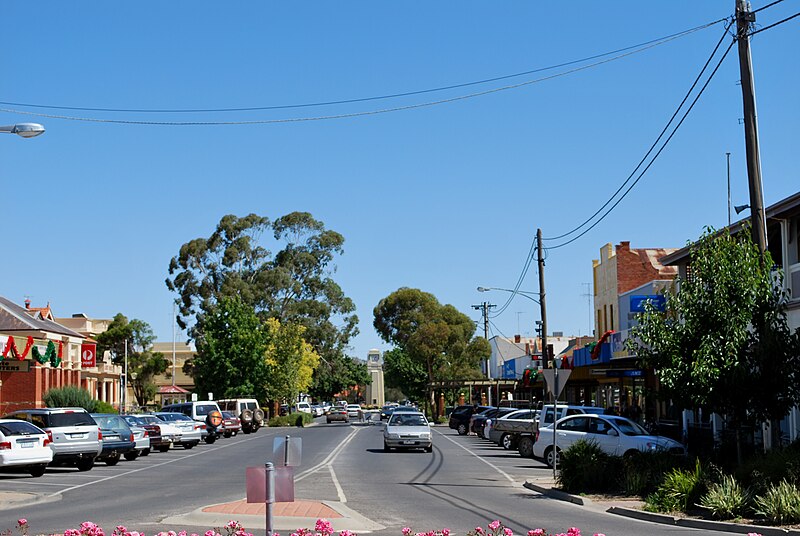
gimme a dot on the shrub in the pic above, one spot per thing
(780, 504)
(726, 499)
(586, 468)
(760, 472)
(103, 407)
(69, 396)
(680, 490)
(644, 471)
(293, 419)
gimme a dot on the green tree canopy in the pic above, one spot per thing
(723, 342)
(143, 363)
(437, 339)
(401, 372)
(293, 285)
(230, 360)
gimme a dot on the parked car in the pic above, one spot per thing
(74, 435)
(24, 447)
(166, 434)
(207, 413)
(480, 420)
(459, 418)
(153, 434)
(117, 438)
(250, 414)
(230, 424)
(502, 429)
(189, 428)
(141, 443)
(615, 435)
(407, 430)
(337, 413)
(386, 411)
(525, 434)
(301, 407)
(354, 411)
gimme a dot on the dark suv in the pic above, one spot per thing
(459, 418)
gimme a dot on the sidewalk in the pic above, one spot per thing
(633, 509)
(285, 516)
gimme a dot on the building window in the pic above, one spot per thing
(612, 316)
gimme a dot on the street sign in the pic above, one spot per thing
(549, 378)
(638, 302)
(256, 483)
(287, 451)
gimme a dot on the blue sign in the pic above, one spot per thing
(637, 302)
(509, 370)
(624, 373)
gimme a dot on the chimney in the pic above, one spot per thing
(27, 303)
(517, 338)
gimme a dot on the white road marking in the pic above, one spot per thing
(331, 457)
(490, 464)
(339, 489)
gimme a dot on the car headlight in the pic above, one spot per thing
(392, 436)
(425, 435)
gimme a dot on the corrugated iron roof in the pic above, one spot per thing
(14, 317)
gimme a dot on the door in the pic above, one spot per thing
(601, 431)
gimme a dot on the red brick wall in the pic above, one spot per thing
(633, 268)
(22, 390)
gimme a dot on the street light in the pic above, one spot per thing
(520, 292)
(26, 130)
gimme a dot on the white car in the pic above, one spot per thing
(24, 446)
(615, 435)
(354, 411)
(407, 430)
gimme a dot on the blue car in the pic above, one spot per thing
(117, 438)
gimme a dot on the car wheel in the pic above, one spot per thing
(188, 446)
(462, 429)
(227, 434)
(37, 470)
(549, 458)
(113, 460)
(386, 448)
(145, 452)
(525, 447)
(210, 438)
(84, 464)
(130, 456)
(429, 449)
(246, 416)
(163, 448)
(328, 421)
(258, 415)
(507, 441)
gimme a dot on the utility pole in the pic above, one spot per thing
(542, 303)
(744, 19)
(728, 156)
(484, 308)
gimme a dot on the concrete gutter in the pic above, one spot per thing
(545, 487)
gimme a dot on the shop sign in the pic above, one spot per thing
(625, 373)
(88, 355)
(15, 366)
(638, 302)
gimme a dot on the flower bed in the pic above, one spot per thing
(322, 528)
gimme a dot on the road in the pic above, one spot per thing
(464, 483)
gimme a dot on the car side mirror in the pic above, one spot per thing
(613, 432)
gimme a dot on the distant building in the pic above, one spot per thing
(175, 385)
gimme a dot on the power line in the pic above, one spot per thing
(652, 161)
(345, 115)
(654, 144)
(787, 19)
(767, 6)
(659, 40)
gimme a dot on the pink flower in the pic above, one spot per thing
(324, 526)
(599, 534)
(210, 533)
(22, 521)
(346, 533)
(406, 531)
(508, 532)
(71, 532)
(573, 531)
(445, 532)
(494, 525)
(478, 530)
(536, 532)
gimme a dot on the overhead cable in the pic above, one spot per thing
(659, 40)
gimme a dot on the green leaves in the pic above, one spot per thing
(723, 342)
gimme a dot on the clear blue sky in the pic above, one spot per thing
(442, 198)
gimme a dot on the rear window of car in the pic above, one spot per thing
(204, 409)
(55, 420)
(111, 421)
(18, 428)
(174, 417)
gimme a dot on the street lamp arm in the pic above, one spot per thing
(520, 292)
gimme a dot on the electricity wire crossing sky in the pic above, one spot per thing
(436, 137)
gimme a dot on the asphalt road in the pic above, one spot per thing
(464, 483)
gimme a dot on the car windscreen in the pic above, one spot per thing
(18, 428)
(408, 420)
(55, 420)
(629, 428)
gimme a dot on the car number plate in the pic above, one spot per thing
(409, 442)
(79, 435)
(26, 444)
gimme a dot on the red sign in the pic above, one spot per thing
(88, 355)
